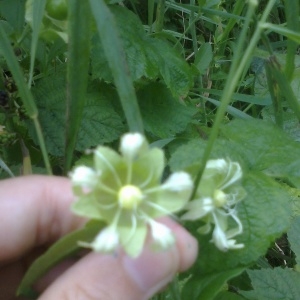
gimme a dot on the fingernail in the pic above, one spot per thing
(152, 270)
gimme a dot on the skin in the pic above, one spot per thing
(35, 212)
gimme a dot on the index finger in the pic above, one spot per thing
(34, 210)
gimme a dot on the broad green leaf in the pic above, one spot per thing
(189, 155)
(13, 11)
(67, 246)
(272, 284)
(203, 57)
(206, 287)
(163, 115)
(228, 296)
(100, 123)
(290, 121)
(173, 68)
(266, 147)
(294, 238)
(146, 56)
(114, 51)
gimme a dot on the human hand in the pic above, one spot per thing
(35, 212)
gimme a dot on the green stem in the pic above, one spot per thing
(24, 92)
(240, 60)
(275, 95)
(160, 12)
(150, 14)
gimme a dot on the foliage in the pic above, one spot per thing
(203, 80)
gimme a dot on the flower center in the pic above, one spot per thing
(219, 198)
(130, 197)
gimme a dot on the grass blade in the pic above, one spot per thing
(38, 8)
(284, 85)
(292, 11)
(77, 72)
(115, 54)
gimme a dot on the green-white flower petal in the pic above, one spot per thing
(197, 209)
(221, 241)
(205, 229)
(85, 207)
(85, 177)
(148, 168)
(133, 240)
(106, 161)
(132, 145)
(161, 234)
(106, 241)
(173, 194)
(178, 182)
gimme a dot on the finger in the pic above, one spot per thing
(34, 210)
(117, 277)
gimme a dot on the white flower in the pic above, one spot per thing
(128, 194)
(216, 197)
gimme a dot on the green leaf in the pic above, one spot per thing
(114, 52)
(228, 296)
(13, 11)
(291, 34)
(272, 284)
(208, 286)
(173, 68)
(290, 121)
(146, 56)
(265, 146)
(189, 155)
(294, 238)
(163, 115)
(100, 123)
(65, 247)
(203, 57)
(77, 72)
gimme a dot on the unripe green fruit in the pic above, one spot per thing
(57, 9)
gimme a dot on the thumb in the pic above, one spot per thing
(114, 277)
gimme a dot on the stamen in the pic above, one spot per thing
(112, 169)
(148, 179)
(159, 208)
